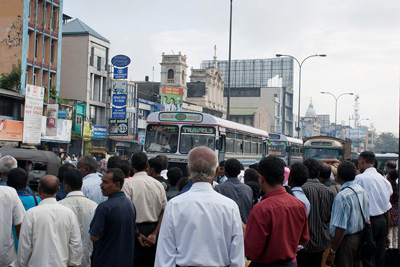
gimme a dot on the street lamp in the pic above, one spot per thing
(228, 112)
(336, 100)
(300, 65)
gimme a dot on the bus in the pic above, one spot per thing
(326, 147)
(174, 134)
(384, 158)
(289, 149)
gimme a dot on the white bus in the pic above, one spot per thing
(174, 134)
(287, 148)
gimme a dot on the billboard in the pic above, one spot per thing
(99, 131)
(118, 127)
(33, 114)
(51, 122)
(11, 130)
(119, 87)
(118, 107)
(63, 130)
(171, 98)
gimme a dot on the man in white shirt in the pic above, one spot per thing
(83, 208)
(379, 191)
(11, 212)
(189, 235)
(50, 233)
(91, 180)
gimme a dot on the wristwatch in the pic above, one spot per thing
(332, 251)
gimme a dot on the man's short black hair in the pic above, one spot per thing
(255, 166)
(222, 163)
(298, 174)
(391, 165)
(368, 157)
(164, 161)
(182, 183)
(17, 178)
(232, 168)
(125, 167)
(73, 178)
(174, 174)
(241, 167)
(273, 170)
(139, 161)
(117, 176)
(251, 175)
(113, 162)
(324, 170)
(63, 168)
(156, 164)
(313, 167)
(346, 171)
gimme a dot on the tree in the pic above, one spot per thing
(386, 142)
(12, 80)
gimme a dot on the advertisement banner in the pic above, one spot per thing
(119, 87)
(11, 130)
(120, 73)
(33, 114)
(99, 131)
(171, 98)
(87, 131)
(63, 133)
(118, 106)
(118, 127)
(51, 123)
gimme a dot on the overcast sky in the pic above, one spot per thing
(360, 37)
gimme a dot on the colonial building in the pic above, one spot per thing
(310, 122)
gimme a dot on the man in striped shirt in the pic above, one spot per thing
(347, 222)
(321, 200)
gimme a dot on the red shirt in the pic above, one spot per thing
(276, 226)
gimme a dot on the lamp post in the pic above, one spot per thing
(228, 112)
(300, 65)
(336, 100)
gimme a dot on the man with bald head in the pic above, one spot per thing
(325, 177)
(201, 227)
(50, 234)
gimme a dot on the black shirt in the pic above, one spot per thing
(114, 224)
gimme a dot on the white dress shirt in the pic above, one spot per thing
(11, 212)
(50, 236)
(200, 228)
(378, 189)
(84, 209)
(91, 188)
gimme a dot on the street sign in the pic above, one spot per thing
(120, 73)
(118, 107)
(120, 61)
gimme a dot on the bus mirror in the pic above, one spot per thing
(220, 143)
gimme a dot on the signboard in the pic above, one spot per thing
(63, 130)
(118, 127)
(33, 114)
(122, 144)
(99, 131)
(171, 98)
(62, 113)
(198, 130)
(142, 137)
(87, 131)
(119, 87)
(11, 130)
(118, 107)
(51, 123)
(184, 117)
(120, 73)
(120, 61)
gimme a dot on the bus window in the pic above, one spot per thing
(229, 145)
(239, 147)
(194, 136)
(247, 147)
(321, 153)
(161, 138)
(254, 149)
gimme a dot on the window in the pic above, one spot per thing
(36, 45)
(239, 147)
(194, 136)
(254, 148)
(98, 63)
(34, 76)
(161, 138)
(52, 48)
(170, 74)
(183, 76)
(92, 57)
(229, 145)
(247, 147)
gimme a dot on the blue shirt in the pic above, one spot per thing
(62, 193)
(346, 212)
(299, 194)
(114, 225)
(91, 188)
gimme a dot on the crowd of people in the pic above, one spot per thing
(143, 213)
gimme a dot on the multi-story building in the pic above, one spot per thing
(268, 80)
(84, 79)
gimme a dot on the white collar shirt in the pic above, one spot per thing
(11, 212)
(200, 228)
(148, 195)
(50, 236)
(378, 189)
(84, 210)
(91, 188)
(164, 174)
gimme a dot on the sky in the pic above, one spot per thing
(361, 39)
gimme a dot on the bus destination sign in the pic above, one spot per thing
(321, 143)
(198, 130)
(181, 117)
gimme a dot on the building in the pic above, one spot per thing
(311, 123)
(84, 79)
(257, 83)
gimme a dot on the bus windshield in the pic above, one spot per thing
(161, 138)
(321, 153)
(277, 148)
(194, 136)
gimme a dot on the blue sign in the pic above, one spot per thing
(120, 73)
(99, 131)
(118, 106)
(62, 113)
(120, 61)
